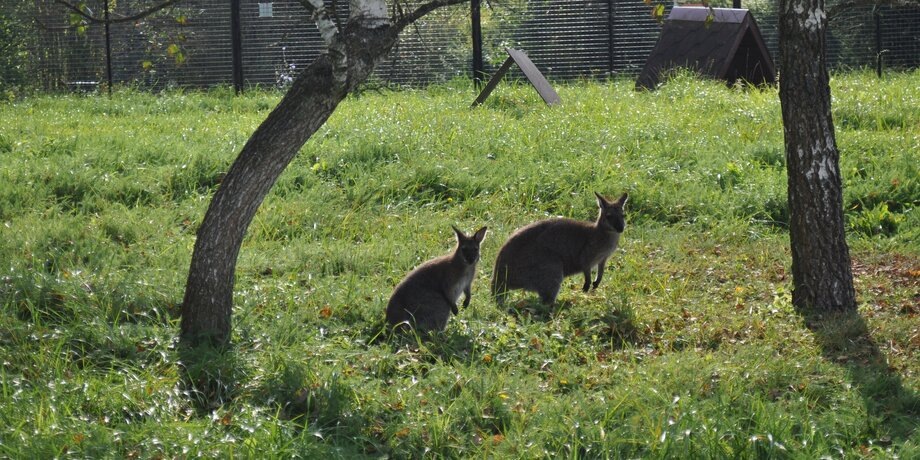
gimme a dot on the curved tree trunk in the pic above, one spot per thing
(821, 273)
(313, 96)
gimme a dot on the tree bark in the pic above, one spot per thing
(352, 53)
(821, 272)
(313, 96)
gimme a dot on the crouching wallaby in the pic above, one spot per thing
(537, 257)
(430, 292)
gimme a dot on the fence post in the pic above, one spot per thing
(878, 43)
(108, 49)
(610, 38)
(236, 43)
(736, 4)
(478, 66)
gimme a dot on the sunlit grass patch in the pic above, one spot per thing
(689, 348)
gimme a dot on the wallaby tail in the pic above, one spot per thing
(500, 282)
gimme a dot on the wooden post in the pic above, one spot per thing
(493, 82)
(236, 43)
(878, 43)
(610, 38)
(478, 66)
(108, 49)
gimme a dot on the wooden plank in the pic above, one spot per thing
(493, 82)
(535, 77)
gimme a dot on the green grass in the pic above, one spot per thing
(688, 349)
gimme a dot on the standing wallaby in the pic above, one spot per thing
(429, 293)
(537, 257)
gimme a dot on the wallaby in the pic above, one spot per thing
(538, 256)
(430, 292)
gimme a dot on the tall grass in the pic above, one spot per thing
(689, 348)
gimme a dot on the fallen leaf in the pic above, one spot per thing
(535, 343)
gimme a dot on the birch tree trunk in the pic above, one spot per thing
(821, 272)
(351, 56)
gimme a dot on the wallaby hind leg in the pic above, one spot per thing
(552, 282)
(432, 324)
(435, 320)
(548, 296)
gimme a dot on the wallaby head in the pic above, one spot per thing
(610, 216)
(468, 246)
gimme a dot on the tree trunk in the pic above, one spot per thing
(821, 273)
(313, 96)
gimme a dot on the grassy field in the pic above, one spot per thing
(688, 349)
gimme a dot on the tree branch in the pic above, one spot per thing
(131, 18)
(423, 10)
(842, 6)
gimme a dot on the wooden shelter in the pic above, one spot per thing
(728, 46)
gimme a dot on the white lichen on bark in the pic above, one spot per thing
(810, 14)
(335, 46)
(326, 25)
(815, 19)
(824, 168)
(820, 162)
(371, 13)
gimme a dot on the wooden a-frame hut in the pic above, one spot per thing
(728, 48)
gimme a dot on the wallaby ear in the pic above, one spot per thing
(623, 199)
(601, 201)
(480, 234)
(460, 235)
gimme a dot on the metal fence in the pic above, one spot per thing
(192, 44)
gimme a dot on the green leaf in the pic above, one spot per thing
(658, 12)
(710, 17)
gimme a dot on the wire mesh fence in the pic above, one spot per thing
(191, 44)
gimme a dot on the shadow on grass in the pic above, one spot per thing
(615, 322)
(536, 310)
(319, 407)
(209, 375)
(845, 340)
(434, 346)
